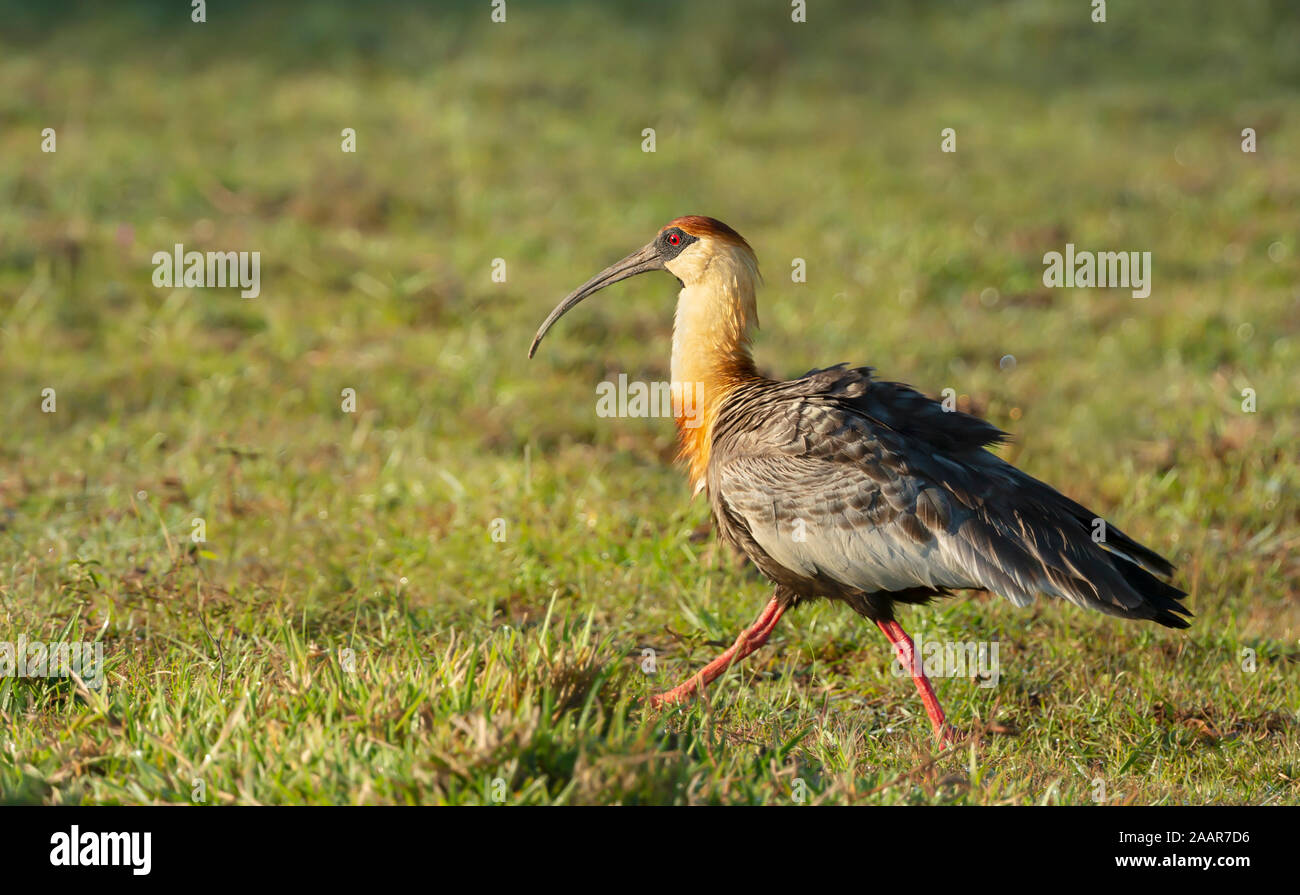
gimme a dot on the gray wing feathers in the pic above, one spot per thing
(819, 520)
(875, 487)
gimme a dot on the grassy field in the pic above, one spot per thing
(351, 631)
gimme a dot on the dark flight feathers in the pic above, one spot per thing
(836, 484)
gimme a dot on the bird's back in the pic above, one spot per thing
(837, 484)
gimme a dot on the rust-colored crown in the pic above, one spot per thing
(699, 225)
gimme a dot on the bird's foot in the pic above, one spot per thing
(683, 692)
(947, 736)
(905, 650)
(749, 640)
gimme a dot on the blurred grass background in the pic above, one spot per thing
(522, 141)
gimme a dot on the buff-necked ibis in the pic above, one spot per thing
(841, 485)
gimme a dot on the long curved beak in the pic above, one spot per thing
(639, 261)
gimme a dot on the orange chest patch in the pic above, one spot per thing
(694, 436)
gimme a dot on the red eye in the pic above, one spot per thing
(674, 239)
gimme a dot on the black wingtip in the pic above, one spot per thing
(1161, 597)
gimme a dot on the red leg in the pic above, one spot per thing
(749, 640)
(906, 653)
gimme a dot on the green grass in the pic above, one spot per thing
(475, 661)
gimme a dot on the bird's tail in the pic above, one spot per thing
(1142, 570)
(1161, 597)
(1043, 542)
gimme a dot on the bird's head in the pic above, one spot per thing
(690, 248)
